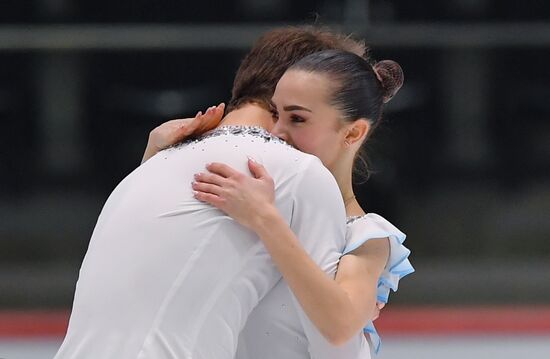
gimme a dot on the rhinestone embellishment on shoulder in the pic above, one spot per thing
(255, 131)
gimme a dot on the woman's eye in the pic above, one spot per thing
(296, 119)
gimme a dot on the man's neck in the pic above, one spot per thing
(249, 115)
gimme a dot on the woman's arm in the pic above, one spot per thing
(174, 131)
(339, 308)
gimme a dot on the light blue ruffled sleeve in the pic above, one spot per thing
(361, 229)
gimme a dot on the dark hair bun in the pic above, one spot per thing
(391, 77)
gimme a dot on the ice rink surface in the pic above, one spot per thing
(394, 347)
(444, 347)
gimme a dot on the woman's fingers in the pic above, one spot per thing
(238, 195)
(201, 123)
(195, 125)
(376, 314)
(207, 188)
(177, 130)
(210, 119)
(209, 198)
(222, 170)
(215, 117)
(378, 307)
(211, 178)
(186, 128)
(167, 134)
(257, 170)
(192, 127)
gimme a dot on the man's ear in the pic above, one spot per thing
(357, 131)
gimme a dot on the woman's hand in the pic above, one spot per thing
(174, 131)
(338, 307)
(377, 309)
(248, 200)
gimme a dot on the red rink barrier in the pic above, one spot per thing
(393, 321)
(465, 321)
(33, 323)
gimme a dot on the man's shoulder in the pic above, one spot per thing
(293, 160)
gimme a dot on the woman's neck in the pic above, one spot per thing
(343, 172)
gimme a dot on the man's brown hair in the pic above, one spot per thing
(274, 52)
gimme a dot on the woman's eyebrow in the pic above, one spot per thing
(296, 107)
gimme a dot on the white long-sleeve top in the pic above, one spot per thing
(166, 276)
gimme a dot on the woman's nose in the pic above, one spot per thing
(278, 130)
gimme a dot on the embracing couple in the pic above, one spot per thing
(243, 238)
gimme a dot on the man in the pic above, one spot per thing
(166, 276)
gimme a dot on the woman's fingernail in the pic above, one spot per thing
(251, 159)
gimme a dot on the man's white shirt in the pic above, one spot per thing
(166, 276)
(278, 328)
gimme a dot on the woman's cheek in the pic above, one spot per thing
(312, 147)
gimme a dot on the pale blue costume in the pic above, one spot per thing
(371, 226)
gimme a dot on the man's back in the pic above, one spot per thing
(166, 276)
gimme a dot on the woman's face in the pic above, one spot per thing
(306, 120)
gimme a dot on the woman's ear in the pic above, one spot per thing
(357, 132)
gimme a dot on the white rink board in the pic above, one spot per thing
(394, 347)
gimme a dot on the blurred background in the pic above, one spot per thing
(461, 164)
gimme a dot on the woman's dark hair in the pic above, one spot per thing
(274, 52)
(359, 89)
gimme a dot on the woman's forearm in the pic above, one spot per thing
(326, 302)
(338, 307)
(150, 151)
(174, 131)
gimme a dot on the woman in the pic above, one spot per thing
(328, 104)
